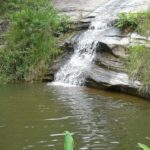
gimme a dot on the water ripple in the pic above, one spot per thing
(57, 119)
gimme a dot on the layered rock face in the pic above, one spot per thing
(79, 9)
(107, 70)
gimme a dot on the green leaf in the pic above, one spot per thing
(144, 147)
(68, 141)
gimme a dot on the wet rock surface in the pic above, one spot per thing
(107, 70)
(77, 9)
(86, 10)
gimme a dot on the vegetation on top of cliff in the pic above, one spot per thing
(144, 24)
(139, 22)
(138, 65)
(127, 20)
(31, 39)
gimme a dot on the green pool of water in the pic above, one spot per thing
(35, 116)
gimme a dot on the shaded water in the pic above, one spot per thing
(35, 116)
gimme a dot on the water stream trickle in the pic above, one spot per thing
(73, 72)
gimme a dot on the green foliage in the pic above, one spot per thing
(144, 24)
(144, 147)
(68, 141)
(31, 41)
(6, 5)
(139, 60)
(127, 20)
(9, 6)
(135, 21)
(138, 65)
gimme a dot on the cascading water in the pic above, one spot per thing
(74, 71)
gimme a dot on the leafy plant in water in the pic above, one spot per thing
(68, 141)
(143, 146)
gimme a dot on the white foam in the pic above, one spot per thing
(61, 84)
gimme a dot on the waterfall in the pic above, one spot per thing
(74, 71)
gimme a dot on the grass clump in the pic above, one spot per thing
(31, 42)
(139, 22)
(144, 24)
(127, 20)
(138, 65)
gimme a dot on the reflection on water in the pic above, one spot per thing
(36, 116)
